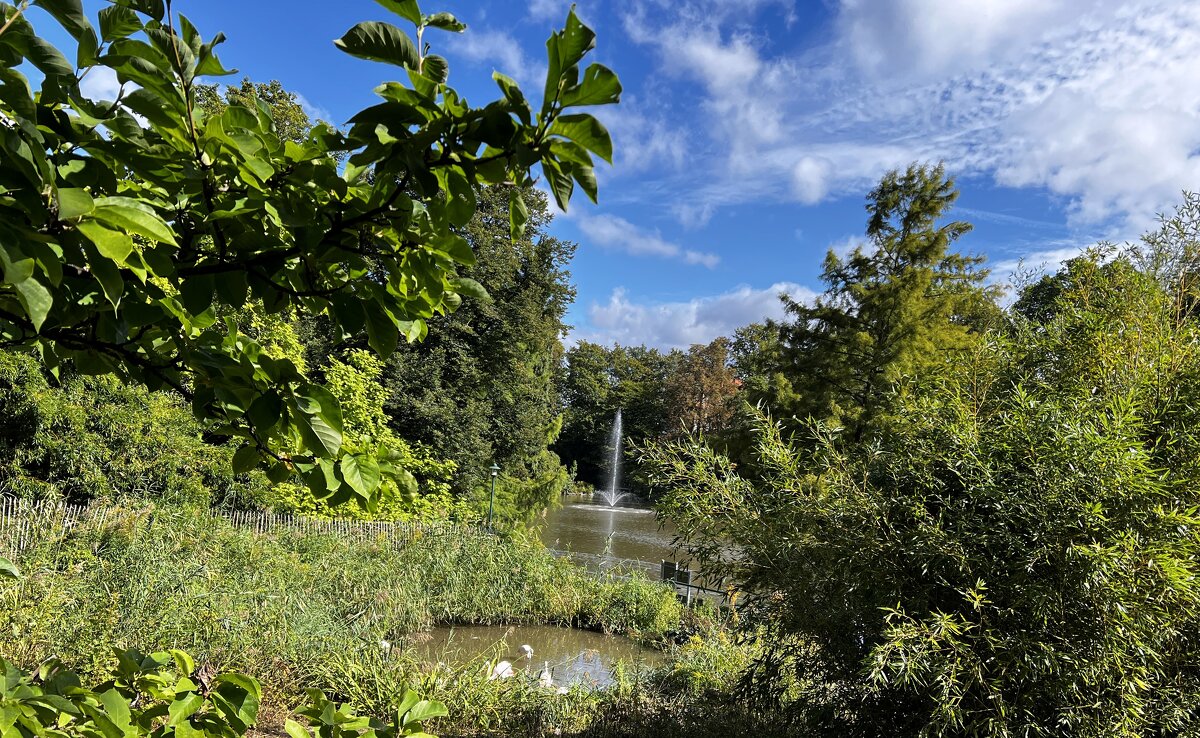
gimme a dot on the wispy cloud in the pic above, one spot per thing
(613, 232)
(314, 112)
(1098, 104)
(500, 50)
(670, 325)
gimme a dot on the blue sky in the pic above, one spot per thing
(750, 130)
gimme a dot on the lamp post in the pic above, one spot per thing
(495, 469)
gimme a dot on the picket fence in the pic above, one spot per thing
(24, 524)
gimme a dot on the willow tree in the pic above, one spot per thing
(126, 225)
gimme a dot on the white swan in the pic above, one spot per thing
(527, 651)
(502, 670)
(546, 679)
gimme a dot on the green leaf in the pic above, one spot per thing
(296, 730)
(321, 420)
(406, 9)
(69, 13)
(361, 472)
(461, 203)
(382, 333)
(426, 710)
(111, 244)
(457, 248)
(107, 274)
(518, 214)
(135, 216)
(574, 40)
(73, 202)
(245, 459)
(117, 21)
(116, 707)
(469, 287)
(36, 299)
(382, 42)
(435, 68)
(152, 8)
(8, 570)
(446, 22)
(183, 707)
(586, 131)
(561, 184)
(600, 86)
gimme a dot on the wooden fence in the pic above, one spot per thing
(24, 524)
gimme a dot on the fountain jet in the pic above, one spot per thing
(611, 495)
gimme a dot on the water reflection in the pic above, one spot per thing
(571, 656)
(627, 531)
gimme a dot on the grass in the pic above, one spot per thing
(303, 610)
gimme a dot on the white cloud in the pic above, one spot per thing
(315, 112)
(810, 179)
(1098, 103)
(614, 232)
(502, 51)
(543, 10)
(681, 324)
(100, 83)
(1045, 259)
(919, 38)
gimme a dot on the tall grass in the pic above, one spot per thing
(294, 609)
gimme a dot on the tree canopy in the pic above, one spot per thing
(127, 224)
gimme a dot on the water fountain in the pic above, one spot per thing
(611, 495)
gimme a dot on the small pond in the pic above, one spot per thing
(572, 656)
(627, 531)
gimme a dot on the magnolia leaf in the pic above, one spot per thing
(112, 244)
(361, 473)
(321, 419)
(73, 202)
(382, 42)
(36, 299)
(518, 214)
(406, 9)
(469, 287)
(245, 459)
(8, 570)
(135, 216)
(446, 22)
(117, 21)
(586, 131)
(435, 68)
(382, 333)
(69, 13)
(599, 86)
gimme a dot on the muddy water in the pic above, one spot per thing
(627, 531)
(572, 656)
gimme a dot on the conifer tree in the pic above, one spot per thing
(891, 309)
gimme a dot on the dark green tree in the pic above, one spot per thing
(889, 311)
(482, 387)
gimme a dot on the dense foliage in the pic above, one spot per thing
(129, 225)
(1012, 550)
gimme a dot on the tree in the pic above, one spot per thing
(887, 312)
(483, 387)
(1017, 554)
(701, 390)
(599, 381)
(119, 238)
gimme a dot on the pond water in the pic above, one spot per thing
(572, 656)
(626, 531)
